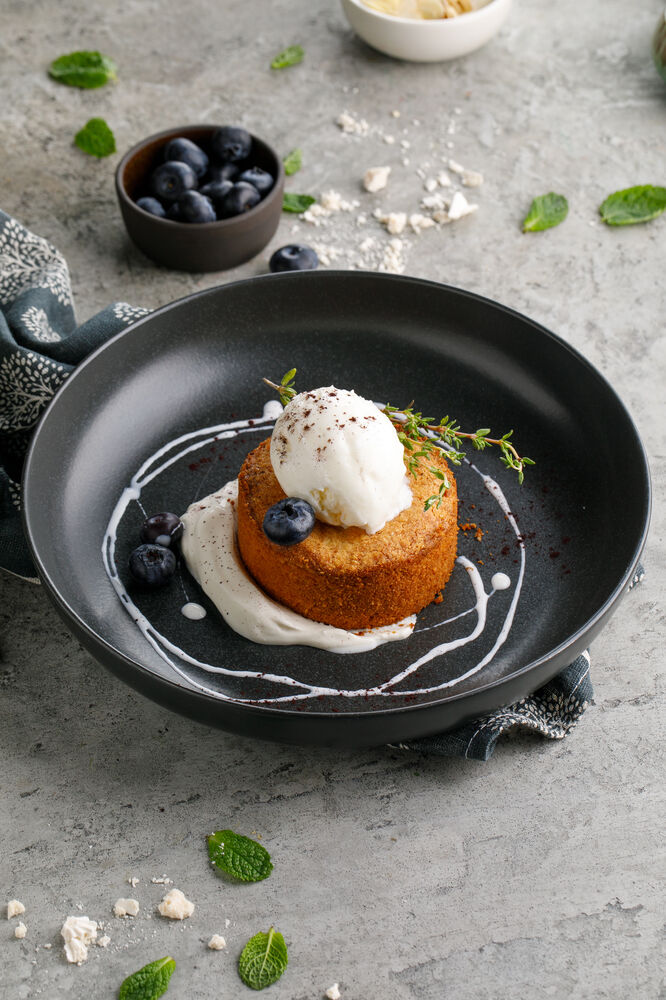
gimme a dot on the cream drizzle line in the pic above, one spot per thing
(146, 474)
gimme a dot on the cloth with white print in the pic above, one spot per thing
(40, 344)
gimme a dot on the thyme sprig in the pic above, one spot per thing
(420, 435)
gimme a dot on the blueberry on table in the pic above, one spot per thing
(172, 179)
(186, 151)
(231, 144)
(152, 205)
(216, 191)
(196, 207)
(223, 172)
(162, 529)
(262, 180)
(152, 565)
(241, 198)
(289, 521)
(294, 257)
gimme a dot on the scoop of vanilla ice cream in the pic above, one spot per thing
(339, 452)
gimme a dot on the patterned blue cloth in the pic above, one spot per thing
(40, 344)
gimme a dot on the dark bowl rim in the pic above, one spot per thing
(165, 134)
(571, 642)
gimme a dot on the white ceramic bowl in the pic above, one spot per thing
(427, 41)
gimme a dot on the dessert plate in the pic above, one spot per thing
(165, 412)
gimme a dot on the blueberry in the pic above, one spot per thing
(216, 190)
(225, 172)
(171, 180)
(231, 144)
(162, 529)
(289, 521)
(195, 207)
(294, 257)
(188, 152)
(174, 213)
(262, 180)
(152, 565)
(152, 205)
(241, 198)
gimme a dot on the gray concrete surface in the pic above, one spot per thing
(539, 873)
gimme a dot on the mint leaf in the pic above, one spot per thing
(96, 138)
(293, 162)
(297, 202)
(239, 856)
(83, 69)
(148, 983)
(546, 211)
(263, 960)
(632, 205)
(290, 56)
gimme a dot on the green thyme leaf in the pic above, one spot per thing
(148, 983)
(239, 856)
(96, 138)
(263, 960)
(632, 205)
(297, 202)
(83, 69)
(546, 211)
(293, 162)
(290, 56)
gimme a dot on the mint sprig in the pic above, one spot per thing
(546, 211)
(148, 983)
(632, 205)
(96, 138)
(290, 56)
(263, 960)
(83, 69)
(239, 856)
(297, 202)
(293, 162)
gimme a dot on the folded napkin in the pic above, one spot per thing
(40, 344)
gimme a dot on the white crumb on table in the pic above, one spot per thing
(78, 933)
(104, 941)
(20, 931)
(133, 881)
(460, 207)
(163, 880)
(14, 908)
(217, 943)
(175, 906)
(125, 907)
(333, 992)
(395, 222)
(352, 125)
(376, 178)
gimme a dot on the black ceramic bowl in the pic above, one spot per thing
(138, 423)
(207, 246)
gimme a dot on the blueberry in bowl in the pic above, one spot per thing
(203, 228)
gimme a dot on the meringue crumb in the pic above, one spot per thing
(394, 222)
(125, 908)
(395, 114)
(133, 881)
(103, 942)
(217, 943)
(14, 908)
(351, 125)
(78, 933)
(333, 992)
(376, 178)
(20, 931)
(175, 906)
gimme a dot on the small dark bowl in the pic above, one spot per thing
(206, 246)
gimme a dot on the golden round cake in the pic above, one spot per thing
(344, 576)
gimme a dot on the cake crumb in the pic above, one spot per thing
(376, 178)
(20, 931)
(217, 943)
(175, 906)
(125, 908)
(77, 933)
(14, 908)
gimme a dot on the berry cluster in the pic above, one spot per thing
(190, 186)
(154, 563)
